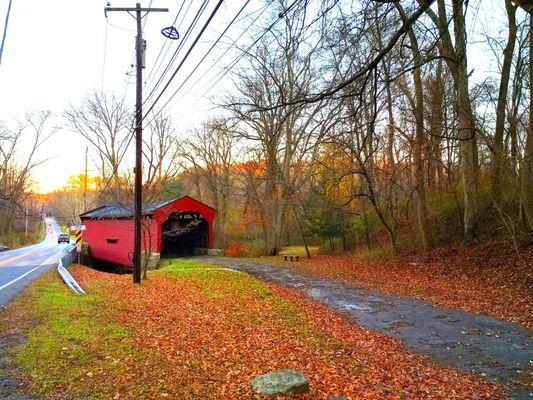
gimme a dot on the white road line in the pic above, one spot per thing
(45, 262)
(19, 278)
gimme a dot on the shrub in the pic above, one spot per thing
(236, 249)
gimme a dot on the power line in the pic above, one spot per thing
(211, 48)
(5, 30)
(233, 44)
(240, 56)
(147, 15)
(200, 11)
(105, 54)
(211, 16)
(237, 59)
(156, 66)
(184, 39)
(121, 28)
(126, 80)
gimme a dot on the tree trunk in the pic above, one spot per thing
(277, 229)
(418, 150)
(390, 129)
(273, 204)
(302, 233)
(457, 63)
(527, 163)
(498, 162)
(436, 173)
(468, 147)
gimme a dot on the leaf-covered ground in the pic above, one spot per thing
(485, 279)
(192, 331)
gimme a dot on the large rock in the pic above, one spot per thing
(282, 382)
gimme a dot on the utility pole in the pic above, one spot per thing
(139, 48)
(26, 217)
(85, 181)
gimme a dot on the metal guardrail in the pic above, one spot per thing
(66, 276)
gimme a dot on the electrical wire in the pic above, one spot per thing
(176, 53)
(211, 16)
(243, 53)
(154, 70)
(233, 44)
(8, 14)
(213, 45)
(232, 65)
(105, 55)
(121, 28)
(128, 73)
(147, 14)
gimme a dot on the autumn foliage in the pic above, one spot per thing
(487, 279)
(236, 249)
(204, 334)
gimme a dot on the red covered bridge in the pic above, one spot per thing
(170, 228)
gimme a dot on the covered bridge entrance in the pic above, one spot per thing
(171, 228)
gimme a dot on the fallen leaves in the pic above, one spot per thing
(212, 332)
(484, 279)
(206, 334)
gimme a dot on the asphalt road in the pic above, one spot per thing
(20, 266)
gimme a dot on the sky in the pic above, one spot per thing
(59, 51)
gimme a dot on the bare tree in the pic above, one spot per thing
(161, 151)
(498, 163)
(454, 52)
(527, 162)
(419, 147)
(17, 163)
(106, 123)
(210, 153)
(287, 136)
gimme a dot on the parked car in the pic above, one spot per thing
(63, 237)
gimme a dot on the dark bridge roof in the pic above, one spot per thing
(126, 211)
(123, 210)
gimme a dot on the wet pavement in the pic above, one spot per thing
(495, 349)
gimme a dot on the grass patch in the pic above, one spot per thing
(215, 280)
(196, 331)
(15, 239)
(72, 337)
